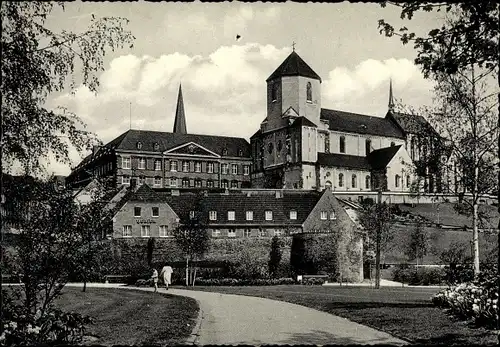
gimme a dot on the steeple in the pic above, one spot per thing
(391, 97)
(180, 117)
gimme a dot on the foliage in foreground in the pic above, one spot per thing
(473, 301)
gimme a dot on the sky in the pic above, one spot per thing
(223, 79)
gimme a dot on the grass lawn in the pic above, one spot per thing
(132, 317)
(406, 313)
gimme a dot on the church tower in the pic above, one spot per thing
(293, 88)
(180, 117)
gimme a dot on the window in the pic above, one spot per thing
(155, 211)
(328, 184)
(142, 163)
(185, 166)
(197, 183)
(137, 211)
(156, 146)
(126, 163)
(280, 146)
(173, 165)
(125, 179)
(309, 92)
(249, 215)
(191, 214)
(278, 232)
(246, 170)
(173, 182)
(327, 143)
(215, 233)
(367, 182)
(139, 145)
(224, 184)
(157, 182)
(225, 169)
(353, 181)
(407, 181)
(240, 153)
(293, 215)
(185, 182)
(274, 92)
(396, 180)
(145, 231)
(210, 167)
(368, 146)
(323, 215)
(269, 215)
(157, 165)
(210, 184)
(342, 144)
(234, 169)
(247, 232)
(127, 231)
(224, 151)
(230, 215)
(164, 232)
(234, 184)
(393, 144)
(141, 180)
(262, 232)
(197, 167)
(212, 215)
(341, 180)
(231, 233)
(270, 147)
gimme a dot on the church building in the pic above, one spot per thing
(304, 146)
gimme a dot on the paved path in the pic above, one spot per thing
(236, 319)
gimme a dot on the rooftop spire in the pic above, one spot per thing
(391, 97)
(180, 117)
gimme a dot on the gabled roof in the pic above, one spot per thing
(145, 193)
(165, 140)
(343, 160)
(360, 124)
(412, 123)
(293, 65)
(380, 158)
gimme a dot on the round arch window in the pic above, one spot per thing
(270, 147)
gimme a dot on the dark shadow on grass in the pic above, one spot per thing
(318, 337)
(458, 339)
(365, 305)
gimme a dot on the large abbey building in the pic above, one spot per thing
(299, 145)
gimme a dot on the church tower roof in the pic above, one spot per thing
(293, 65)
(180, 117)
(391, 97)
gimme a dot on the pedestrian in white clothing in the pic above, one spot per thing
(155, 279)
(166, 274)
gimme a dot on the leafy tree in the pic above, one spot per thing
(418, 243)
(376, 220)
(468, 42)
(193, 240)
(275, 255)
(151, 247)
(37, 62)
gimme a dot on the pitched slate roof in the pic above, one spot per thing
(293, 65)
(241, 201)
(360, 124)
(165, 140)
(343, 160)
(412, 123)
(303, 121)
(380, 158)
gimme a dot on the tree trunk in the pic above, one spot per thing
(475, 240)
(377, 260)
(194, 276)
(187, 271)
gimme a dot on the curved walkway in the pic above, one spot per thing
(236, 319)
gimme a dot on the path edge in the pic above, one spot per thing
(193, 338)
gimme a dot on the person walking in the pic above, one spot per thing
(166, 274)
(155, 279)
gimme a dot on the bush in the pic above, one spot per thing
(243, 282)
(418, 276)
(313, 281)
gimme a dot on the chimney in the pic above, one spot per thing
(226, 191)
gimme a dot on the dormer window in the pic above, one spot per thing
(240, 153)
(224, 151)
(156, 146)
(309, 92)
(139, 145)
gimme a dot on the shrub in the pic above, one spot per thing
(243, 282)
(313, 281)
(418, 276)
